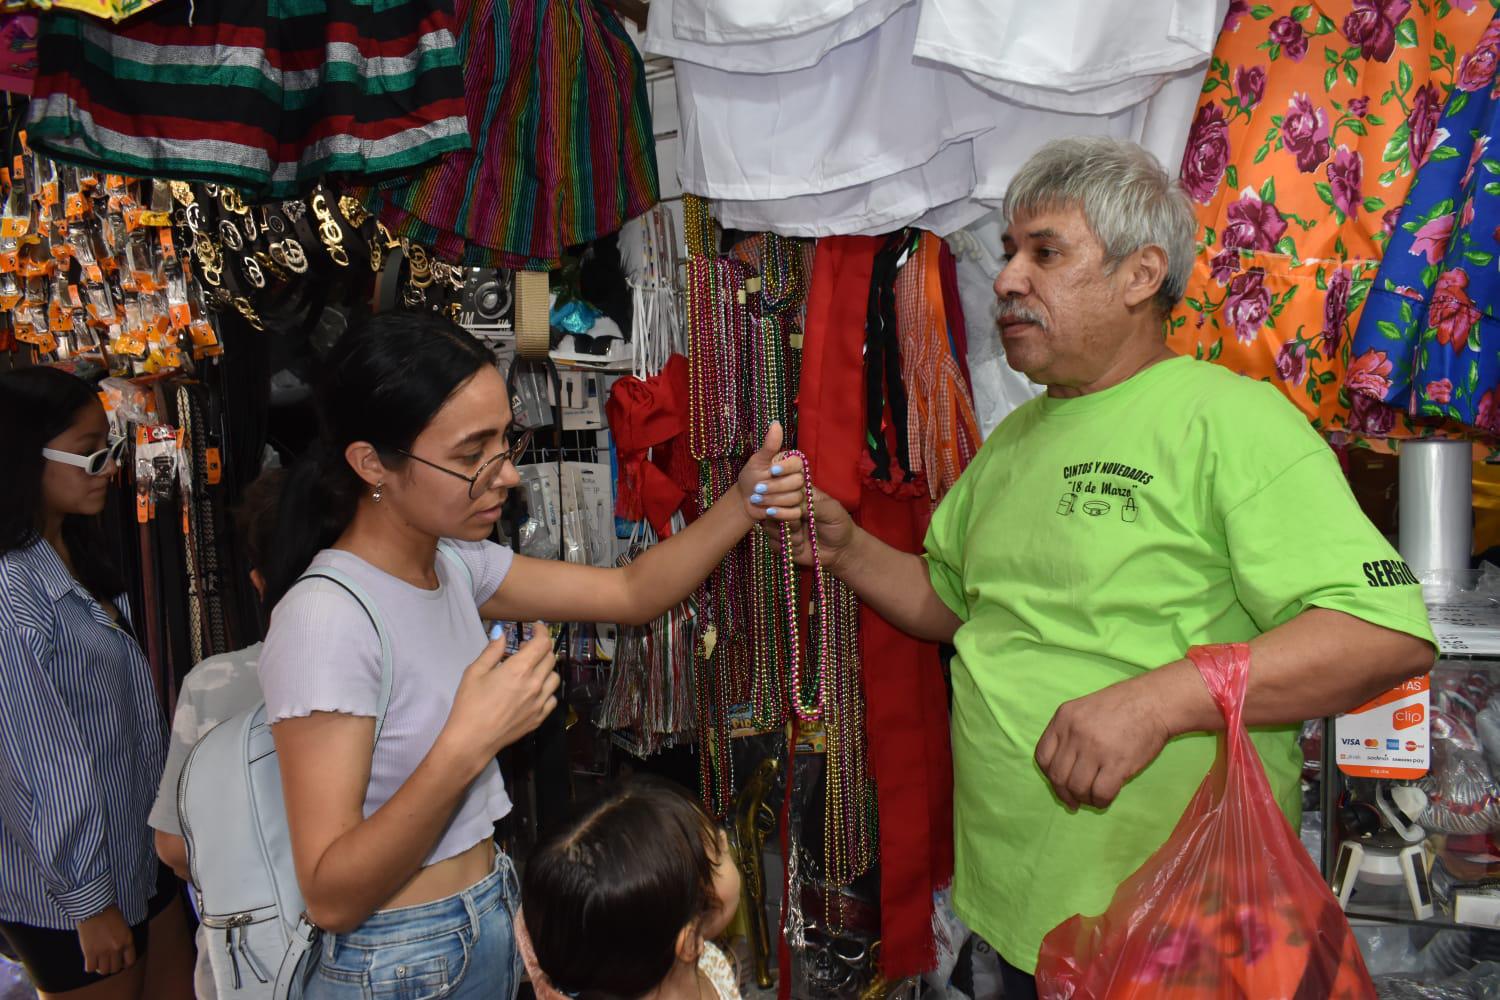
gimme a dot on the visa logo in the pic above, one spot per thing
(1349, 741)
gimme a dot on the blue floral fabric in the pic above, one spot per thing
(1428, 341)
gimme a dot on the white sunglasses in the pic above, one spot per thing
(94, 464)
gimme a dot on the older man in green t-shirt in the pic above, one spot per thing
(1145, 504)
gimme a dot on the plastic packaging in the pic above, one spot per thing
(649, 701)
(1487, 726)
(538, 533)
(1482, 982)
(1230, 906)
(1462, 792)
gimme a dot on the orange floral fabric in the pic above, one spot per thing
(1314, 119)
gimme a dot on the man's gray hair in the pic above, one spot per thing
(1127, 199)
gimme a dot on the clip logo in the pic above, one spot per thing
(1408, 716)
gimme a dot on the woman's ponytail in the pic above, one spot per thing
(318, 496)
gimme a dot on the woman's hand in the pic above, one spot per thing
(107, 944)
(771, 483)
(501, 699)
(836, 531)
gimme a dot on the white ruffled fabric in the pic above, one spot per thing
(789, 135)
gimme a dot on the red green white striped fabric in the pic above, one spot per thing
(266, 95)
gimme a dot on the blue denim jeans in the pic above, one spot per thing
(459, 947)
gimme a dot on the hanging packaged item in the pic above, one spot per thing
(263, 97)
(88, 263)
(649, 701)
(563, 149)
(1230, 906)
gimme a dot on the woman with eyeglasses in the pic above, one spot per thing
(392, 836)
(84, 903)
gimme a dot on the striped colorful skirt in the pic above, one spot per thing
(563, 150)
(265, 95)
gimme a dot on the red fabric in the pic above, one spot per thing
(651, 415)
(831, 402)
(906, 712)
(905, 697)
(953, 308)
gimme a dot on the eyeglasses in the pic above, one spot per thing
(488, 474)
(94, 464)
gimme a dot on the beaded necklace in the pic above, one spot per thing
(744, 356)
(809, 695)
(768, 633)
(850, 813)
(721, 368)
(768, 597)
(722, 658)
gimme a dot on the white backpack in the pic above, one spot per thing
(239, 849)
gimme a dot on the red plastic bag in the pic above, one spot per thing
(1231, 906)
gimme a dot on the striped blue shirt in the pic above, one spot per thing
(82, 743)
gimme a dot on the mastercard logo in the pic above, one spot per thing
(1373, 744)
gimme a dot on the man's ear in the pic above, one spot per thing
(365, 461)
(1144, 271)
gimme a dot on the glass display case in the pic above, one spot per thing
(1413, 852)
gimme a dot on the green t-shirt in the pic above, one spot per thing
(1098, 537)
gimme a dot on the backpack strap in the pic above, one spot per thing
(372, 610)
(447, 548)
(289, 984)
(305, 935)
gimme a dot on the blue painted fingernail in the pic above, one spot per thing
(757, 499)
(770, 511)
(775, 470)
(761, 487)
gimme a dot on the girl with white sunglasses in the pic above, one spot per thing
(84, 902)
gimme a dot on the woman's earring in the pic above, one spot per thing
(379, 493)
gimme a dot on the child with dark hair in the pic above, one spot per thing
(217, 689)
(624, 902)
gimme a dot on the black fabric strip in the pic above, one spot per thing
(884, 389)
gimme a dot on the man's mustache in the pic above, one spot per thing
(1009, 309)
